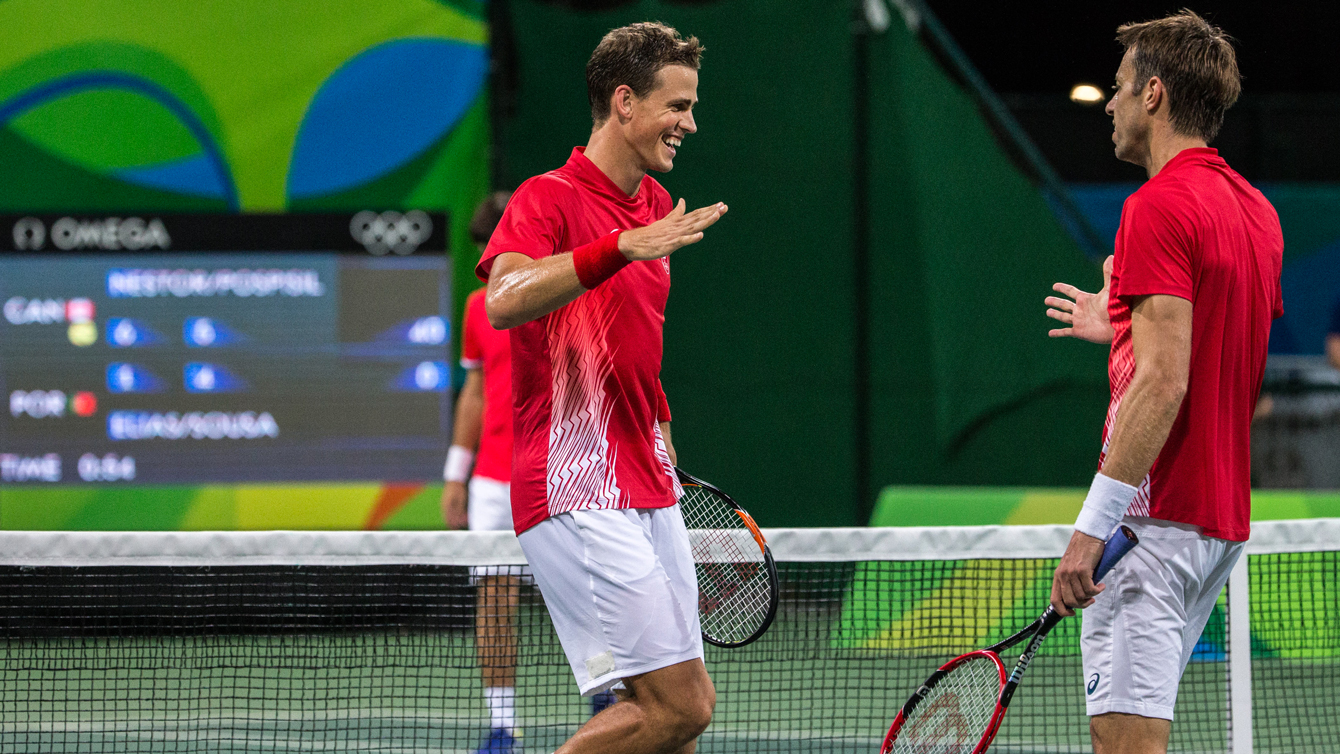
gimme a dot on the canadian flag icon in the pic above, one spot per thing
(79, 310)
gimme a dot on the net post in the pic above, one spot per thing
(1240, 658)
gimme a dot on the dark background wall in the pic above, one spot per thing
(1033, 53)
(1278, 135)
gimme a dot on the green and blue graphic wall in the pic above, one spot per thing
(246, 106)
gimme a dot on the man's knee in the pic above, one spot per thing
(697, 711)
(685, 697)
(690, 711)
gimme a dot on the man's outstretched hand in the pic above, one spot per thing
(1085, 313)
(670, 233)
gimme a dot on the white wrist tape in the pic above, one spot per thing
(1104, 507)
(459, 463)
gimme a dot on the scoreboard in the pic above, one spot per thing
(195, 349)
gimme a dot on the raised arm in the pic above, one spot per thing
(522, 289)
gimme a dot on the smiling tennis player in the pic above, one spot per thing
(1194, 285)
(579, 271)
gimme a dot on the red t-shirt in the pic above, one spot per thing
(1199, 231)
(483, 347)
(586, 378)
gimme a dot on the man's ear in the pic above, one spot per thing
(1155, 94)
(621, 102)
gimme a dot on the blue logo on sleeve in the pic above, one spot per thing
(1093, 684)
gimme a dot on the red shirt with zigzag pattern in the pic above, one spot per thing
(586, 383)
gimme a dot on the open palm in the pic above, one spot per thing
(1084, 313)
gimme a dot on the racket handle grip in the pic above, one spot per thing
(1122, 542)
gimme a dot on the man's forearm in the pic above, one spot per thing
(1161, 346)
(1143, 422)
(522, 289)
(468, 421)
(669, 446)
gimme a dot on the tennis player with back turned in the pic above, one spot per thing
(1192, 289)
(579, 271)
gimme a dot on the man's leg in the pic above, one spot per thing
(1117, 733)
(663, 712)
(495, 629)
(623, 598)
(490, 509)
(495, 644)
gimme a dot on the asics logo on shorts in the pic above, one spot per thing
(1093, 684)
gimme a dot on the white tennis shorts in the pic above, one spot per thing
(621, 590)
(490, 509)
(1138, 636)
(490, 506)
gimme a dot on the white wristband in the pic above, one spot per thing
(1104, 507)
(459, 462)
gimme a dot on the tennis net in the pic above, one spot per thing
(367, 642)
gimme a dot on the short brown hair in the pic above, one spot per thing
(633, 55)
(1195, 61)
(487, 216)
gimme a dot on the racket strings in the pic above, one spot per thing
(734, 592)
(955, 714)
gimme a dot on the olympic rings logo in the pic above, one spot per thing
(29, 233)
(391, 232)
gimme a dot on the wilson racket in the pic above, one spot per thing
(737, 578)
(960, 707)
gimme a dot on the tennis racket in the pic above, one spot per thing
(737, 578)
(960, 707)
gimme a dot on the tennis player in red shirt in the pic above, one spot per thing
(1191, 292)
(579, 271)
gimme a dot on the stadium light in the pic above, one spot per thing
(1086, 94)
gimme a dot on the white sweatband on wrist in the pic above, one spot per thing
(1104, 507)
(459, 462)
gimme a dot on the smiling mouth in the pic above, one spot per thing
(672, 143)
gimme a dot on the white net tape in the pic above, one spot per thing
(203, 548)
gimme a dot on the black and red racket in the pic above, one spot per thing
(960, 707)
(737, 578)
